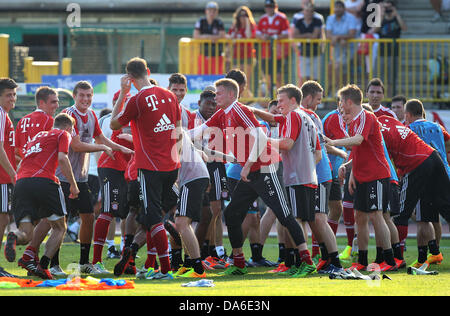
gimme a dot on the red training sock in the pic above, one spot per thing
(100, 233)
(159, 240)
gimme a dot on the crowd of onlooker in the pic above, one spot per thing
(351, 19)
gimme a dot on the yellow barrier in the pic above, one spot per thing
(403, 65)
(4, 55)
(34, 70)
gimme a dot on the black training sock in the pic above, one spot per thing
(204, 250)
(128, 240)
(177, 256)
(55, 259)
(290, 257)
(334, 257)
(362, 257)
(281, 252)
(423, 252)
(380, 258)
(84, 253)
(323, 251)
(433, 246)
(388, 255)
(44, 262)
(134, 249)
(254, 249)
(397, 248)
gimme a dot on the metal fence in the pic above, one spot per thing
(416, 68)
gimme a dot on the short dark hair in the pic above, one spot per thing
(272, 103)
(136, 67)
(177, 78)
(375, 82)
(82, 85)
(340, 3)
(7, 83)
(63, 120)
(415, 108)
(400, 98)
(292, 91)
(105, 112)
(42, 94)
(311, 87)
(237, 75)
(351, 92)
(207, 94)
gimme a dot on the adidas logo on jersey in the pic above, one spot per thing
(404, 131)
(164, 124)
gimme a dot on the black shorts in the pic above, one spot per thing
(191, 199)
(321, 197)
(155, 186)
(6, 197)
(37, 198)
(114, 190)
(232, 185)
(218, 180)
(94, 185)
(336, 191)
(134, 196)
(83, 203)
(302, 201)
(372, 196)
(429, 184)
(394, 199)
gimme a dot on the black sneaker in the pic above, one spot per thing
(10, 247)
(112, 253)
(120, 266)
(29, 265)
(4, 273)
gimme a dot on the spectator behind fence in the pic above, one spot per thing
(243, 27)
(273, 25)
(211, 28)
(440, 6)
(355, 7)
(392, 26)
(308, 26)
(341, 27)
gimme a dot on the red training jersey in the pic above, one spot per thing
(382, 110)
(235, 122)
(29, 126)
(369, 161)
(41, 154)
(278, 24)
(7, 137)
(406, 148)
(131, 170)
(120, 160)
(334, 126)
(154, 113)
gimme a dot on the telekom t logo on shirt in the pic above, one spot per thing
(152, 102)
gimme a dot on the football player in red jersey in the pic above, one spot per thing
(38, 193)
(424, 179)
(369, 179)
(155, 117)
(39, 120)
(8, 99)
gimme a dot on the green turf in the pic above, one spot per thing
(258, 282)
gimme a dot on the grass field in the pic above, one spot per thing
(259, 283)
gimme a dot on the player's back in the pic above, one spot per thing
(41, 154)
(158, 112)
(30, 125)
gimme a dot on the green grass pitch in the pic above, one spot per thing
(258, 282)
